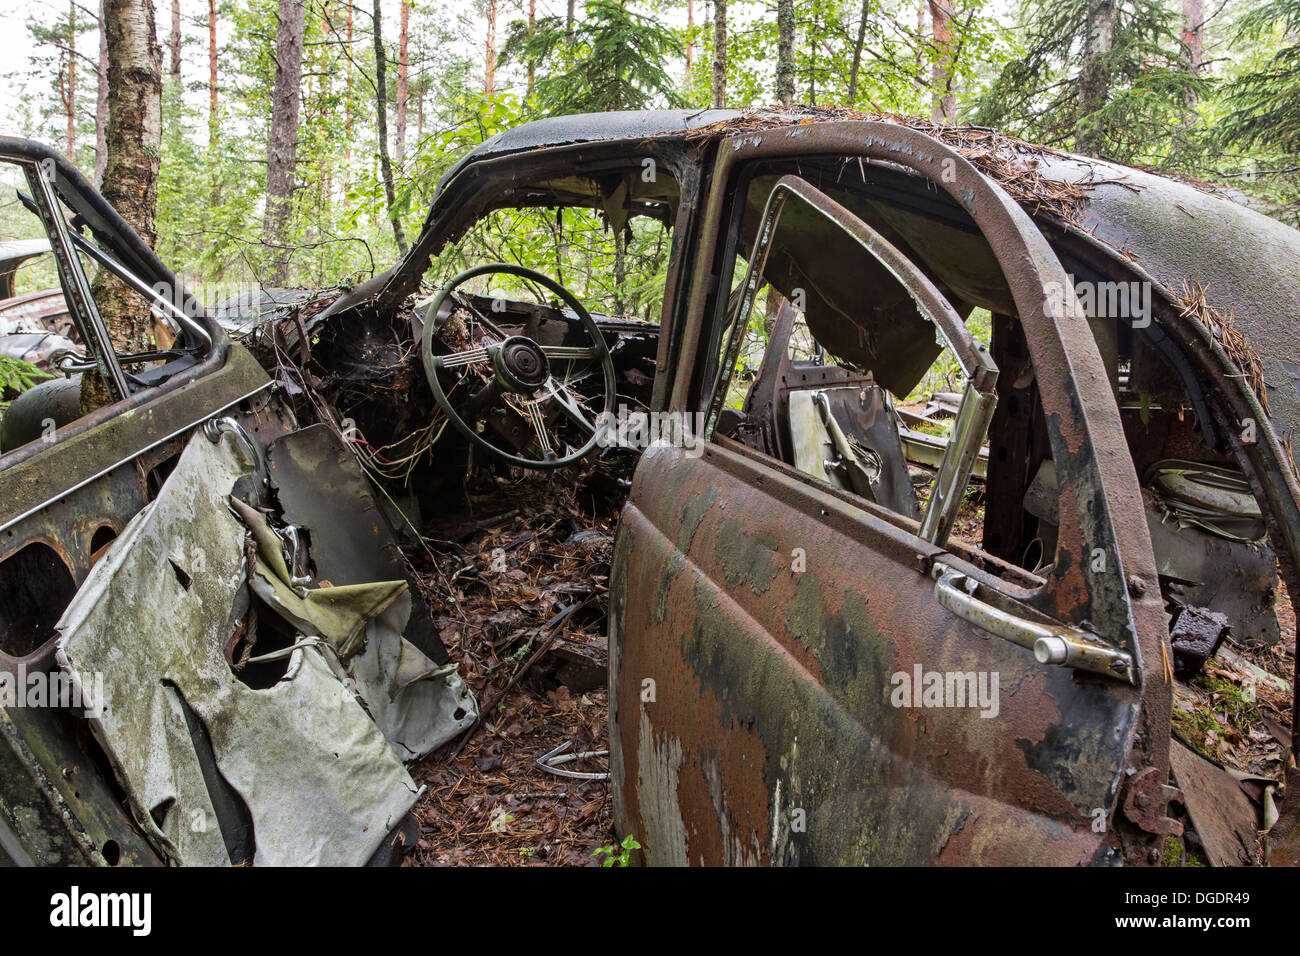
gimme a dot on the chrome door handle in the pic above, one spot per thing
(1051, 643)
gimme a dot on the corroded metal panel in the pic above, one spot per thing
(754, 705)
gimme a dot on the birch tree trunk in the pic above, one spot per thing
(282, 144)
(385, 165)
(132, 141)
(403, 75)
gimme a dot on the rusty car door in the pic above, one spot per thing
(762, 626)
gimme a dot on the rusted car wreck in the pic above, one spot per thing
(808, 665)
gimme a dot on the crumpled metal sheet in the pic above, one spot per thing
(408, 695)
(320, 782)
(401, 670)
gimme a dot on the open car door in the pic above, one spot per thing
(801, 674)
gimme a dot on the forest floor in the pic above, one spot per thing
(520, 595)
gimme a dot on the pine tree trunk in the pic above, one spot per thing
(1194, 33)
(282, 145)
(690, 36)
(70, 100)
(212, 73)
(490, 54)
(101, 104)
(347, 115)
(720, 54)
(922, 8)
(175, 40)
(385, 165)
(785, 52)
(1094, 79)
(568, 20)
(532, 28)
(857, 53)
(944, 103)
(403, 74)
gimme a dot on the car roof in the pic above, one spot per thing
(1183, 235)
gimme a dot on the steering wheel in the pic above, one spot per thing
(516, 374)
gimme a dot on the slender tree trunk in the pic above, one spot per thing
(785, 52)
(568, 19)
(133, 144)
(347, 114)
(857, 53)
(70, 88)
(620, 270)
(720, 54)
(944, 108)
(385, 166)
(922, 11)
(175, 40)
(282, 146)
(1194, 33)
(690, 36)
(813, 33)
(101, 104)
(403, 74)
(490, 55)
(212, 73)
(1094, 79)
(1193, 36)
(532, 28)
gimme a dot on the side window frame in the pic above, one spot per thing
(979, 397)
(76, 287)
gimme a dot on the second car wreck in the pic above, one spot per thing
(784, 585)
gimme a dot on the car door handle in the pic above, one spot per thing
(1051, 643)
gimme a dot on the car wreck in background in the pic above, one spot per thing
(776, 581)
(249, 665)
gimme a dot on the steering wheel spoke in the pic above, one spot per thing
(569, 404)
(562, 353)
(459, 359)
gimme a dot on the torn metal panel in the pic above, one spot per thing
(403, 672)
(318, 778)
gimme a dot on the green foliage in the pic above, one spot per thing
(612, 59)
(1147, 117)
(618, 854)
(1238, 123)
(16, 376)
(1265, 108)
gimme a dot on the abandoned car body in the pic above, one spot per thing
(780, 593)
(758, 616)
